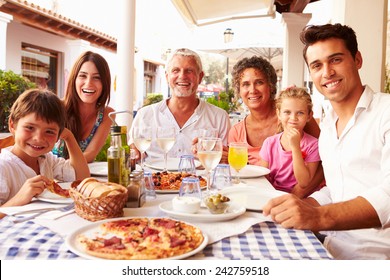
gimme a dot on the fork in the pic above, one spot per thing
(42, 211)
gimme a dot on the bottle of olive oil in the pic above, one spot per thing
(115, 157)
(126, 150)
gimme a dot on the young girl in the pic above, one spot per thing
(36, 121)
(292, 155)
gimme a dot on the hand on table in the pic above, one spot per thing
(292, 212)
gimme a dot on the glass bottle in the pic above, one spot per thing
(115, 156)
(126, 149)
(133, 160)
(136, 189)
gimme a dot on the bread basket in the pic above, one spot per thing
(102, 205)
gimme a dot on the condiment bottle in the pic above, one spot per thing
(133, 160)
(115, 156)
(126, 149)
(136, 189)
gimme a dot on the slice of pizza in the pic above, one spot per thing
(57, 189)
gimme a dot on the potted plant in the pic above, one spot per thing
(11, 86)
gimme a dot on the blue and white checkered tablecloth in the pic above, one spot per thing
(266, 240)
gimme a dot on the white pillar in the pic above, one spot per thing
(293, 62)
(125, 54)
(369, 20)
(4, 20)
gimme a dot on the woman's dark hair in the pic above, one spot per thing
(72, 99)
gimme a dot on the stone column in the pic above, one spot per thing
(369, 20)
(293, 62)
(125, 54)
(4, 20)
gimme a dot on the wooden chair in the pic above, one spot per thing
(7, 141)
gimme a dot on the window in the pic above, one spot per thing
(149, 77)
(39, 65)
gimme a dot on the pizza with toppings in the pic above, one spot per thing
(170, 181)
(141, 239)
(57, 189)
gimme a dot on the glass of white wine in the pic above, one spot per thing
(166, 137)
(142, 137)
(209, 154)
(238, 158)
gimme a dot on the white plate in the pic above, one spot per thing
(250, 171)
(203, 215)
(174, 191)
(98, 168)
(93, 229)
(252, 198)
(172, 164)
(48, 196)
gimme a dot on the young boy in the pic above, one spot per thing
(36, 121)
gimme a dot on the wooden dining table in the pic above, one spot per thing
(250, 236)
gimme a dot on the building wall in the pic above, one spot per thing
(17, 33)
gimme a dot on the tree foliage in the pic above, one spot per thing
(11, 86)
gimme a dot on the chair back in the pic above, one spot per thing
(7, 141)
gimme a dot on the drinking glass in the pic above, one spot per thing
(149, 186)
(142, 137)
(166, 137)
(209, 154)
(187, 164)
(221, 177)
(190, 196)
(190, 187)
(207, 132)
(238, 158)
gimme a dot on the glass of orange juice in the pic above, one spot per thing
(238, 158)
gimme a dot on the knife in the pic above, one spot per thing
(255, 210)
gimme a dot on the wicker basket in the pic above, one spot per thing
(98, 208)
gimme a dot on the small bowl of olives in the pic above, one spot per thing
(217, 203)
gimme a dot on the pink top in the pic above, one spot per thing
(280, 161)
(238, 134)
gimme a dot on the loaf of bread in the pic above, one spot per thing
(91, 187)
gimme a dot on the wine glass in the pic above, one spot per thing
(238, 158)
(207, 132)
(209, 154)
(142, 137)
(166, 137)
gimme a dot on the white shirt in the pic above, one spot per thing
(205, 115)
(14, 172)
(358, 164)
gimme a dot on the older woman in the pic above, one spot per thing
(254, 79)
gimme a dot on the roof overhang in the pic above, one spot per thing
(205, 12)
(46, 20)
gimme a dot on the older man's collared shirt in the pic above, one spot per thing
(205, 116)
(357, 163)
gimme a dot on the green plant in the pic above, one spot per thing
(152, 98)
(225, 101)
(387, 80)
(102, 155)
(11, 86)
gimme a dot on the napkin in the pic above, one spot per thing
(51, 215)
